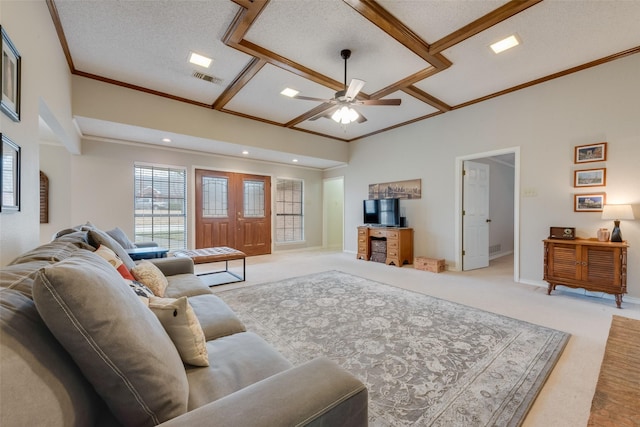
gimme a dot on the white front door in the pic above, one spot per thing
(475, 216)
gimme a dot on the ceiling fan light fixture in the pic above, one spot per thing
(200, 60)
(505, 44)
(345, 115)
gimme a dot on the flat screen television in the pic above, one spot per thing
(381, 212)
(389, 212)
(370, 211)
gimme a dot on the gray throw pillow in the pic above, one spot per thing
(121, 237)
(117, 342)
(98, 237)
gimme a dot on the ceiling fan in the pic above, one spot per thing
(342, 111)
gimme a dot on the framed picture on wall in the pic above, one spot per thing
(10, 175)
(10, 78)
(590, 177)
(589, 202)
(591, 153)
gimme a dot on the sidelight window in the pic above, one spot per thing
(289, 210)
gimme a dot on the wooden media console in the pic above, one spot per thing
(399, 244)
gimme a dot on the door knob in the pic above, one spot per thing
(488, 220)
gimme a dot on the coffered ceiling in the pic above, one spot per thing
(434, 55)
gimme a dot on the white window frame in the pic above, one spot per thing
(282, 210)
(158, 211)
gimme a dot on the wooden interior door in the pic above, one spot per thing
(233, 210)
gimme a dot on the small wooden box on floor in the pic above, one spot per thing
(429, 264)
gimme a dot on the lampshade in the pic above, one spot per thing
(617, 212)
(345, 115)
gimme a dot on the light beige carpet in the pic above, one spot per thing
(565, 399)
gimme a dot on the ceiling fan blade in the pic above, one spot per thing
(354, 89)
(326, 114)
(309, 98)
(378, 102)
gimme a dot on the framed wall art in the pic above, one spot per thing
(10, 78)
(591, 153)
(10, 175)
(590, 177)
(409, 189)
(589, 202)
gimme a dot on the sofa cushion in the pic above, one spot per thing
(53, 252)
(119, 345)
(121, 237)
(78, 238)
(235, 362)
(185, 285)
(21, 276)
(40, 383)
(182, 325)
(147, 273)
(98, 237)
(215, 316)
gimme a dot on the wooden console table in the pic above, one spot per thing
(399, 244)
(588, 264)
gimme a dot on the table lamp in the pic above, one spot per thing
(616, 213)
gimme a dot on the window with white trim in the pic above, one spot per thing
(289, 210)
(160, 205)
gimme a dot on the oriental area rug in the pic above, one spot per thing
(425, 361)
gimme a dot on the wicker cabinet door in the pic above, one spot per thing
(600, 267)
(564, 261)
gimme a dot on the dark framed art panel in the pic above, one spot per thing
(10, 69)
(10, 175)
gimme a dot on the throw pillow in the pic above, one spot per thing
(98, 237)
(119, 236)
(141, 291)
(118, 344)
(113, 259)
(147, 273)
(182, 325)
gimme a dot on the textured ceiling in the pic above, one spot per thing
(432, 54)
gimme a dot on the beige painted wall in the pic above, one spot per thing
(102, 190)
(546, 121)
(46, 88)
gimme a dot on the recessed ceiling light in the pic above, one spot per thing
(166, 139)
(245, 152)
(504, 44)
(295, 160)
(200, 60)
(289, 92)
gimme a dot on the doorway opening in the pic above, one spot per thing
(333, 213)
(503, 207)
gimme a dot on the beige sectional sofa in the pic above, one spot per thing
(80, 348)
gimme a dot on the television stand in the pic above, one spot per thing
(399, 243)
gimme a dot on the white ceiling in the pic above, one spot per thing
(401, 48)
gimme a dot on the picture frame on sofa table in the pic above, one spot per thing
(10, 175)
